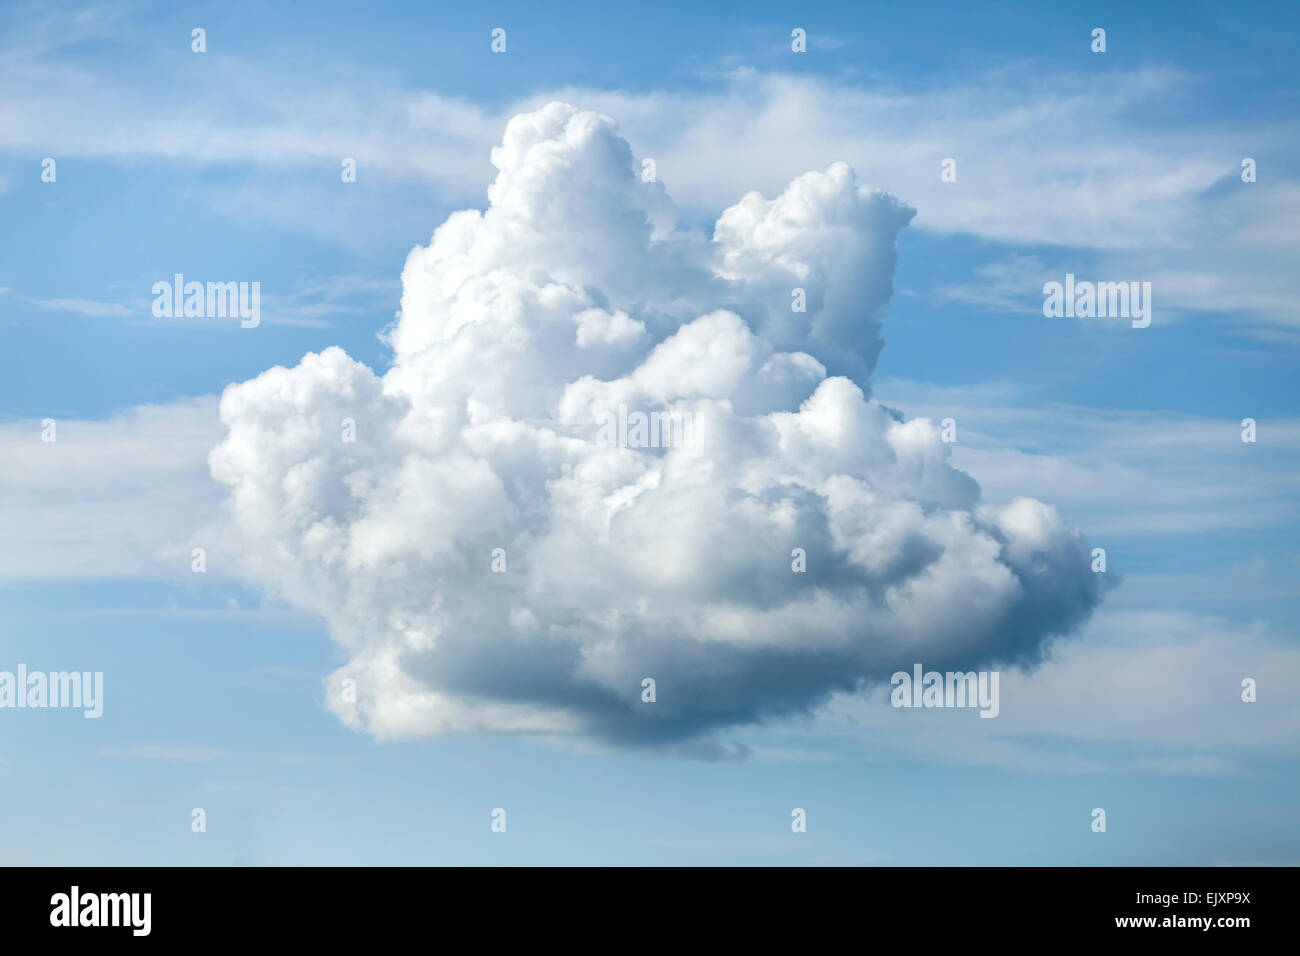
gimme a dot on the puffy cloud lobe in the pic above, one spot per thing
(834, 239)
(522, 331)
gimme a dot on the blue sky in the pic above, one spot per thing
(1117, 166)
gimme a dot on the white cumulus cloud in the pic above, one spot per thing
(523, 330)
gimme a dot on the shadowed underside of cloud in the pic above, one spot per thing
(521, 330)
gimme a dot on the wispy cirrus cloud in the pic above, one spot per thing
(164, 753)
(117, 498)
(82, 307)
(1152, 691)
(1118, 471)
(1009, 139)
(1162, 200)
